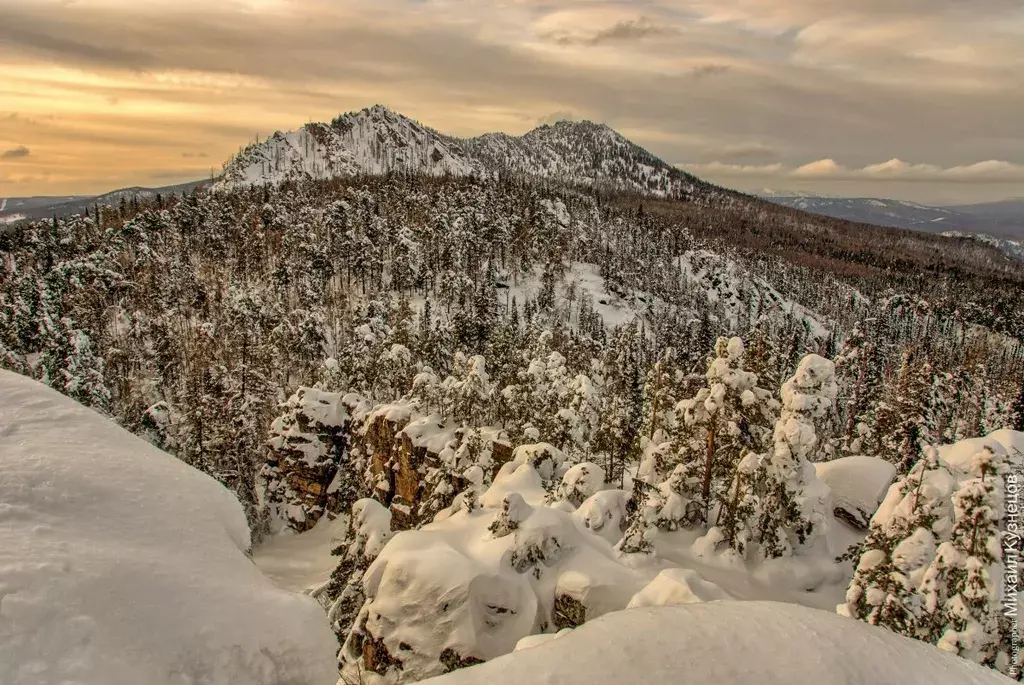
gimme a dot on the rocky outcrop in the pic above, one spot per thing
(417, 464)
(329, 449)
(302, 480)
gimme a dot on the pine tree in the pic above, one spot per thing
(904, 420)
(793, 506)
(971, 565)
(900, 544)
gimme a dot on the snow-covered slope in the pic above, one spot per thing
(736, 643)
(377, 140)
(121, 565)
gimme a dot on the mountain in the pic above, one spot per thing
(377, 140)
(1004, 218)
(998, 219)
(869, 210)
(16, 209)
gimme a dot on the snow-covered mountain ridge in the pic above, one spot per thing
(378, 140)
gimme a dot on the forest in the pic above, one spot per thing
(656, 343)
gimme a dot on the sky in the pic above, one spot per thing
(914, 99)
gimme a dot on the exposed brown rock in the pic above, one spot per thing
(568, 612)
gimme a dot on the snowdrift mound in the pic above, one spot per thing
(121, 565)
(760, 643)
(858, 486)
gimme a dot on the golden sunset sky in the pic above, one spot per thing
(916, 99)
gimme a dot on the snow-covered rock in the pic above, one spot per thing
(121, 565)
(858, 485)
(604, 513)
(960, 455)
(677, 586)
(738, 643)
(470, 586)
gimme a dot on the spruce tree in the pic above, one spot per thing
(793, 506)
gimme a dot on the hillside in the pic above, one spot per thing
(16, 209)
(511, 403)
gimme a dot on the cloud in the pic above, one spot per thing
(721, 169)
(629, 30)
(691, 79)
(742, 152)
(194, 155)
(822, 167)
(706, 70)
(990, 171)
(19, 152)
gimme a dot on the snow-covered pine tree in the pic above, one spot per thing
(971, 567)
(793, 503)
(900, 544)
(714, 433)
(859, 370)
(71, 366)
(904, 420)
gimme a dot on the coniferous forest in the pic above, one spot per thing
(282, 338)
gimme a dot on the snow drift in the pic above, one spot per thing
(120, 565)
(760, 643)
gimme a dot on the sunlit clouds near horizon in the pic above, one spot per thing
(913, 99)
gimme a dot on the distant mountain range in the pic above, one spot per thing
(999, 219)
(16, 209)
(377, 140)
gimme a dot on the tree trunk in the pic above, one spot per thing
(705, 490)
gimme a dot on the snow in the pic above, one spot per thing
(11, 218)
(377, 140)
(858, 485)
(121, 565)
(760, 643)
(960, 455)
(301, 562)
(604, 513)
(478, 581)
(677, 586)
(722, 279)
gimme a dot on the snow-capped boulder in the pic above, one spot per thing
(580, 482)
(677, 586)
(604, 513)
(520, 478)
(960, 455)
(470, 586)
(858, 485)
(739, 643)
(431, 606)
(121, 565)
